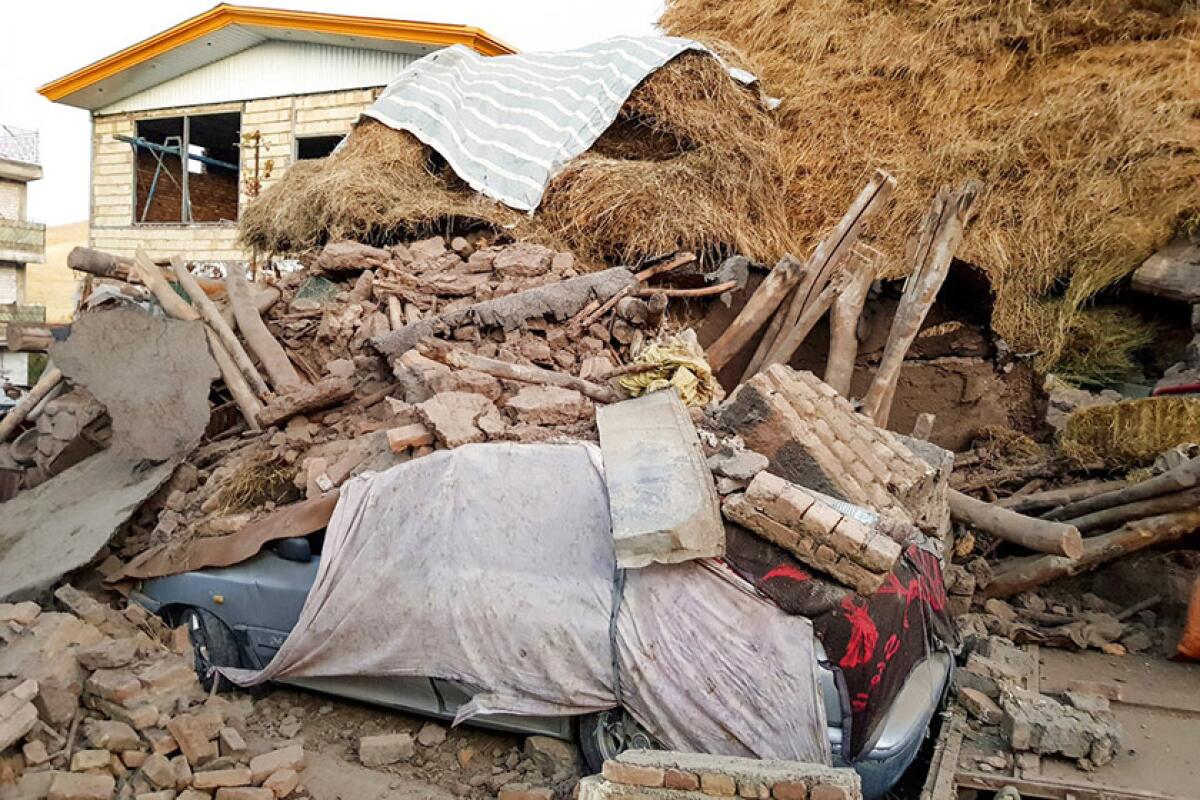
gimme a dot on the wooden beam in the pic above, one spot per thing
(258, 337)
(1036, 534)
(939, 237)
(461, 359)
(1023, 574)
(758, 309)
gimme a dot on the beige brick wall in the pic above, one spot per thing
(12, 196)
(278, 120)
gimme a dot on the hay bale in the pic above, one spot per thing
(1080, 116)
(693, 161)
(1132, 432)
(382, 186)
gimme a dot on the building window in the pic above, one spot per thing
(316, 146)
(206, 189)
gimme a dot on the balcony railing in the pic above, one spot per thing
(22, 241)
(18, 144)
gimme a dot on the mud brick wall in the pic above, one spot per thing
(815, 438)
(815, 532)
(667, 775)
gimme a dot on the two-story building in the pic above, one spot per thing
(22, 242)
(189, 125)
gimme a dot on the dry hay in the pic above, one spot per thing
(692, 162)
(1082, 118)
(1132, 432)
(381, 186)
(259, 480)
(997, 446)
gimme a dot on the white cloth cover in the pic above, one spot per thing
(493, 565)
(507, 124)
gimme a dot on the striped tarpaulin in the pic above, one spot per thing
(507, 124)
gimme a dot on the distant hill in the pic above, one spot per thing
(52, 284)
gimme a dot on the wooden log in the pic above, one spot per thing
(702, 291)
(939, 237)
(843, 327)
(29, 337)
(1031, 532)
(306, 398)
(790, 340)
(212, 315)
(828, 256)
(1052, 498)
(770, 334)
(107, 265)
(1023, 574)
(178, 308)
(758, 309)
(1185, 476)
(666, 266)
(243, 396)
(16, 415)
(258, 337)
(1113, 516)
(461, 359)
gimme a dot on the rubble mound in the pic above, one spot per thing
(692, 162)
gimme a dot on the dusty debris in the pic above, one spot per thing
(158, 398)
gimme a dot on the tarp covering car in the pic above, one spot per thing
(493, 565)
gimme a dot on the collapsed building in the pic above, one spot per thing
(631, 296)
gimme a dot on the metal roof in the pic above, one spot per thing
(225, 30)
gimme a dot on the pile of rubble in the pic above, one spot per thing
(668, 775)
(97, 704)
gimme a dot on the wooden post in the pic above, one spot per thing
(1029, 573)
(119, 268)
(843, 325)
(17, 414)
(758, 309)
(1052, 498)
(212, 315)
(28, 337)
(258, 337)
(1036, 534)
(939, 236)
(828, 256)
(178, 308)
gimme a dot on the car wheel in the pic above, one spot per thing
(212, 644)
(606, 735)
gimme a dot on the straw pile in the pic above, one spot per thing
(693, 162)
(1132, 432)
(1082, 118)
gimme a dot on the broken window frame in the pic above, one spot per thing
(296, 156)
(185, 146)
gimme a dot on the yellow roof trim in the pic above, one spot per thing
(431, 33)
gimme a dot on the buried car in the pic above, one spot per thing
(377, 608)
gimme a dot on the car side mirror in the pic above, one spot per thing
(295, 549)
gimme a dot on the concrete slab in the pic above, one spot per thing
(661, 495)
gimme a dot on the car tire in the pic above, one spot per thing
(213, 645)
(606, 735)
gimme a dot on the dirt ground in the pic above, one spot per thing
(470, 762)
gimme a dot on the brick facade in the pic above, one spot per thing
(279, 121)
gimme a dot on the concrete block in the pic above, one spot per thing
(661, 494)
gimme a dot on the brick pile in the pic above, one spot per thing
(666, 775)
(993, 690)
(855, 553)
(97, 704)
(813, 437)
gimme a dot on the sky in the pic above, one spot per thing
(48, 39)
